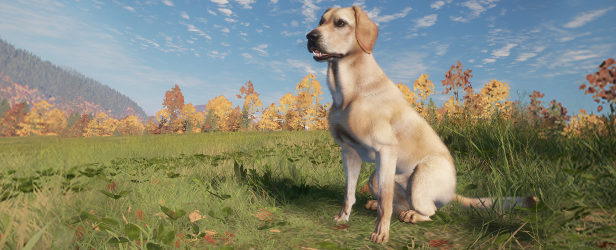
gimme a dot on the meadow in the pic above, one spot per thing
(280, 190)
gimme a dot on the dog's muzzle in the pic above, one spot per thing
(314, 40)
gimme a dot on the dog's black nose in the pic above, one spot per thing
(313, 35)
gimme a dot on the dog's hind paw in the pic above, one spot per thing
(411, 216)
(371, 204)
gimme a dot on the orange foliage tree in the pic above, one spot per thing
(10, 122)
(173, 102)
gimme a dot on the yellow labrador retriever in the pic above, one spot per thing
(372, 121)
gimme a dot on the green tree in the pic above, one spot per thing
(4, 106)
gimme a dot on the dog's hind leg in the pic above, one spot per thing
(400, 203)
(432, 185)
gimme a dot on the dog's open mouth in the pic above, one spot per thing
(320, 56)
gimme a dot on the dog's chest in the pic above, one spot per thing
(343, 134)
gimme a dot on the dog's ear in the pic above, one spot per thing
(365, 30)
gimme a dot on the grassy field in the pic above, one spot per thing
(280, 190)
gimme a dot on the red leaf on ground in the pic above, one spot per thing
(342, 226)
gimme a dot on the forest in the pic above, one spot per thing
(27, 78)
(302, 110)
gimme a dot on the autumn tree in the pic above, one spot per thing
(219, 109)
(10, 122)
(456, 80)
(34, 121)
(410, 96)
(252, 103)
(130, 126)
(173, 102)
(80, 126)
(270, 119)
(307, 100)
(56, 122)
(162, 118)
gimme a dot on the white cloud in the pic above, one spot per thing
(194, 29)
(425, 21)
(586, 17)
(226, 12)
(226, 30)
(243, 34)
(569, 38)
(525, 56)
(246, 3)
(274, 1)
(287, 34)
(489, 60)
(114, 31)
(201, 19)
(129, 8)
(266, 26)
(216, 54)
(245, 24)
(212, 12)
(259, 30)
(471, 60)
(441, 49)
(309, 11)
(437, 5)
(484, 51)
(538, 49)
(504, 51)
(476, 7)
(261, 49)
(503, 11)
(294, 23)
(230, 20)
(374, 15)
(220, 2)
(184, 15)
(304, 66)
(246, 55)
(225, 44)
(168, 2)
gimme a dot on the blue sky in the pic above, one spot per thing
(211, 48)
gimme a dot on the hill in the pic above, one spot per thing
(25, 77)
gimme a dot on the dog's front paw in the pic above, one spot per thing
(411, 216)
(371, 204)
(341, 217)
(379, 237)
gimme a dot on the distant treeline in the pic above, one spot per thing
(64, 83)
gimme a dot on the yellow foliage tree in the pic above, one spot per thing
(162, 118)
(307, 100)
(34, 122)
(130, 126)
(410, 96)
(270, 119)
(494, 96)
(424, 88)
(291, 119)
(220, 107)
(56, 122)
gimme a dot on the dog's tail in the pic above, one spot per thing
(487, 202)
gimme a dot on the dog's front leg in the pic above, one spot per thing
(385, 174)
(352, 166)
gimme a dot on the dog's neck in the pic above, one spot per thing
(347, 76)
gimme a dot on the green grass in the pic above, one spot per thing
(280, 190)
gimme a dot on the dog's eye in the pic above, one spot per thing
(340, 23)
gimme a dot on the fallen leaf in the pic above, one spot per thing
(342, 226)
(275, 230)
(210, 232)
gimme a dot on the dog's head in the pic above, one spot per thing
(342, 32)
